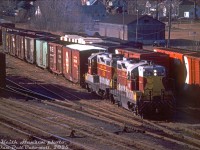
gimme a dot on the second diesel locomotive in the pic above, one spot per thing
(135, 85)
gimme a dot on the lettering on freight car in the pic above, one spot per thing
(75, 65)
(75, 61)
(67, 62)
(51, 49)
(103, 73)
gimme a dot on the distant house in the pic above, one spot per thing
(146, 30)
(186, 9)
(96, 11)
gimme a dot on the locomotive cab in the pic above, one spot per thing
(92, 64)
(150, 81)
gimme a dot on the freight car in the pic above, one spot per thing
(184, 71)
(142, 54)
(56, 56)
(177, 67)
(137, 86)
(42, 51)
(75, 60)
(3, 29)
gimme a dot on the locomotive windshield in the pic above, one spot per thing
(155, 71)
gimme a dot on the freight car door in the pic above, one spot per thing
(59, 60)
(13, 44)
(52, 59)
(44, 55)
(27, 45)
(22, 45)
(41, 53)
(17, 45)
(67, 68)
(75, 66)
(32, 50)
(38, 52)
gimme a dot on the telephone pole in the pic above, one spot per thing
(169, 23)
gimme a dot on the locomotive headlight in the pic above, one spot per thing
(155, 72)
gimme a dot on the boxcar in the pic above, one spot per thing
(30, 48)
(11, 42)
(3, 27)
(75, 60)
(192, 64)
(141, 54)
(47, 35)
(110, 47)
(2, 70)
(55, 56)
(42, 52)
(177, 65)
(20, 45)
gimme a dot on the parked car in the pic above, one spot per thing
(159, 43)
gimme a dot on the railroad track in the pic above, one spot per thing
(88, 125)
(29, 136)
(85, 129)
(36, 132)
(143, 125)
(116, 116)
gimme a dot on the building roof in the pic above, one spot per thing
(80, 47)
(118, 19)
(186, 2)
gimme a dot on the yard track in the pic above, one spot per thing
(136, 124)
(91, 117)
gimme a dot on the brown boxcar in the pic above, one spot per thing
(177, 65)
(2, 70)
(75, 60)
(11, 42)
(55, 56)
(2, 27)
(20, 45)
(110, 47)
(141, 54)
(5, 29)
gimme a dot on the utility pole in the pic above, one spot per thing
(123, 19)
(136, 32)
(169, 24)
(157, 9)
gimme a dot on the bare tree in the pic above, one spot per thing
(61, 15)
